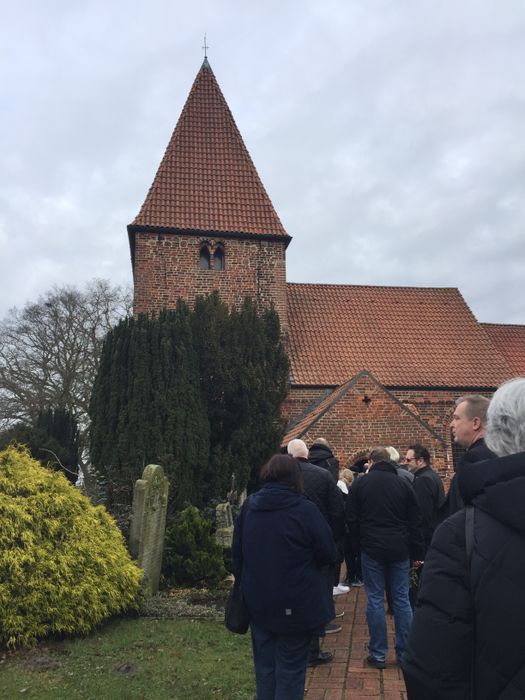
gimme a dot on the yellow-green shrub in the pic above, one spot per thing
(64, 566)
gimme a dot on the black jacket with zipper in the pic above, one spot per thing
(466, 639)
(382, 513)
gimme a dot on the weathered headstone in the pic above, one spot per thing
(224, 524)
(148, 524)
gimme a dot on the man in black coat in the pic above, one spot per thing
(321, 455)
(468, 431)
(319, 487)
(382, 511)
(466, 639)
(429, 489)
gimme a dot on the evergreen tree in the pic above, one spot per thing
(244, 374)
(146, 408)
(53, 440)
(198, 392)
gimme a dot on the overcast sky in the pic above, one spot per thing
(389, 134)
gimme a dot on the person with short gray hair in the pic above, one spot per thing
(506, 419)
(466, 639)
(321, 489)
(402, 471)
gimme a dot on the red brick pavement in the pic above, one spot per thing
(347, 677)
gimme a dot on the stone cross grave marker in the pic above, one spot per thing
(224, 524)
(148, 524)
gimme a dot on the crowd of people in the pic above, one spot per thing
(449, 568)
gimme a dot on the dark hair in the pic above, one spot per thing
(420, 452)
(285, 470)
(379, 454)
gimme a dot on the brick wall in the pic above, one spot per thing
(434, 406)
(167, 268)
(352, 426)
(298, 400)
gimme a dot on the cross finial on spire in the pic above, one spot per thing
(205, 47)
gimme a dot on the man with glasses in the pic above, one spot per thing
(428, 487)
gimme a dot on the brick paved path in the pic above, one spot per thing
(346, 677)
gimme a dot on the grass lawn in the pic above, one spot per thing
(135, 659)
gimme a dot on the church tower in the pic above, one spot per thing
(207, 222)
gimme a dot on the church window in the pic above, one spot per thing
(218, 258)
(204, 258)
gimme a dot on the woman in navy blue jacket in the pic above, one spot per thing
(280, 543)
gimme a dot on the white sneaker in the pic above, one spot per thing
(340, 589)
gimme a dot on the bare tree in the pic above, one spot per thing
(49, 351)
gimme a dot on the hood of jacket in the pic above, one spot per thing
(274, 496)
(497, 486)
(318, 453)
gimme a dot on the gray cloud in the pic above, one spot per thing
(390, 136)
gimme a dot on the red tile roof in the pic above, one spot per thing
(510, 341)
(207, 180)
(404, 336)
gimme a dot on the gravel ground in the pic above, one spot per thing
(186, 602)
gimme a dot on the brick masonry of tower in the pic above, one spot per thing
(167, 268)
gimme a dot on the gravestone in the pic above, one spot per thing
(224, 524)
(148, 524)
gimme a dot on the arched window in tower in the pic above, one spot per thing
(204, 258)
(218, 258)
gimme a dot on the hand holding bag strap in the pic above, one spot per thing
(236, 617)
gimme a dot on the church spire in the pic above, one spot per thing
(207, 181)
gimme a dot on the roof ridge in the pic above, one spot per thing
(503, 325)
(367, 286)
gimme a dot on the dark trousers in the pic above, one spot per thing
(280, 664)
(353, 561)
(340, 548)
(327, 573)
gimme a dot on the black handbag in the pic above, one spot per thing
(236, 617)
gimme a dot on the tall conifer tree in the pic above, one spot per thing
(197, 391)
(146, 407)
(244, 373)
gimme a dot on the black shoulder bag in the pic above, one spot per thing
(236, 616)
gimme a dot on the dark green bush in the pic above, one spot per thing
(192, 557)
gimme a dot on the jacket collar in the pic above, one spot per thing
(478, 441)
(383, 467)
(423, 470)
(476, 478)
